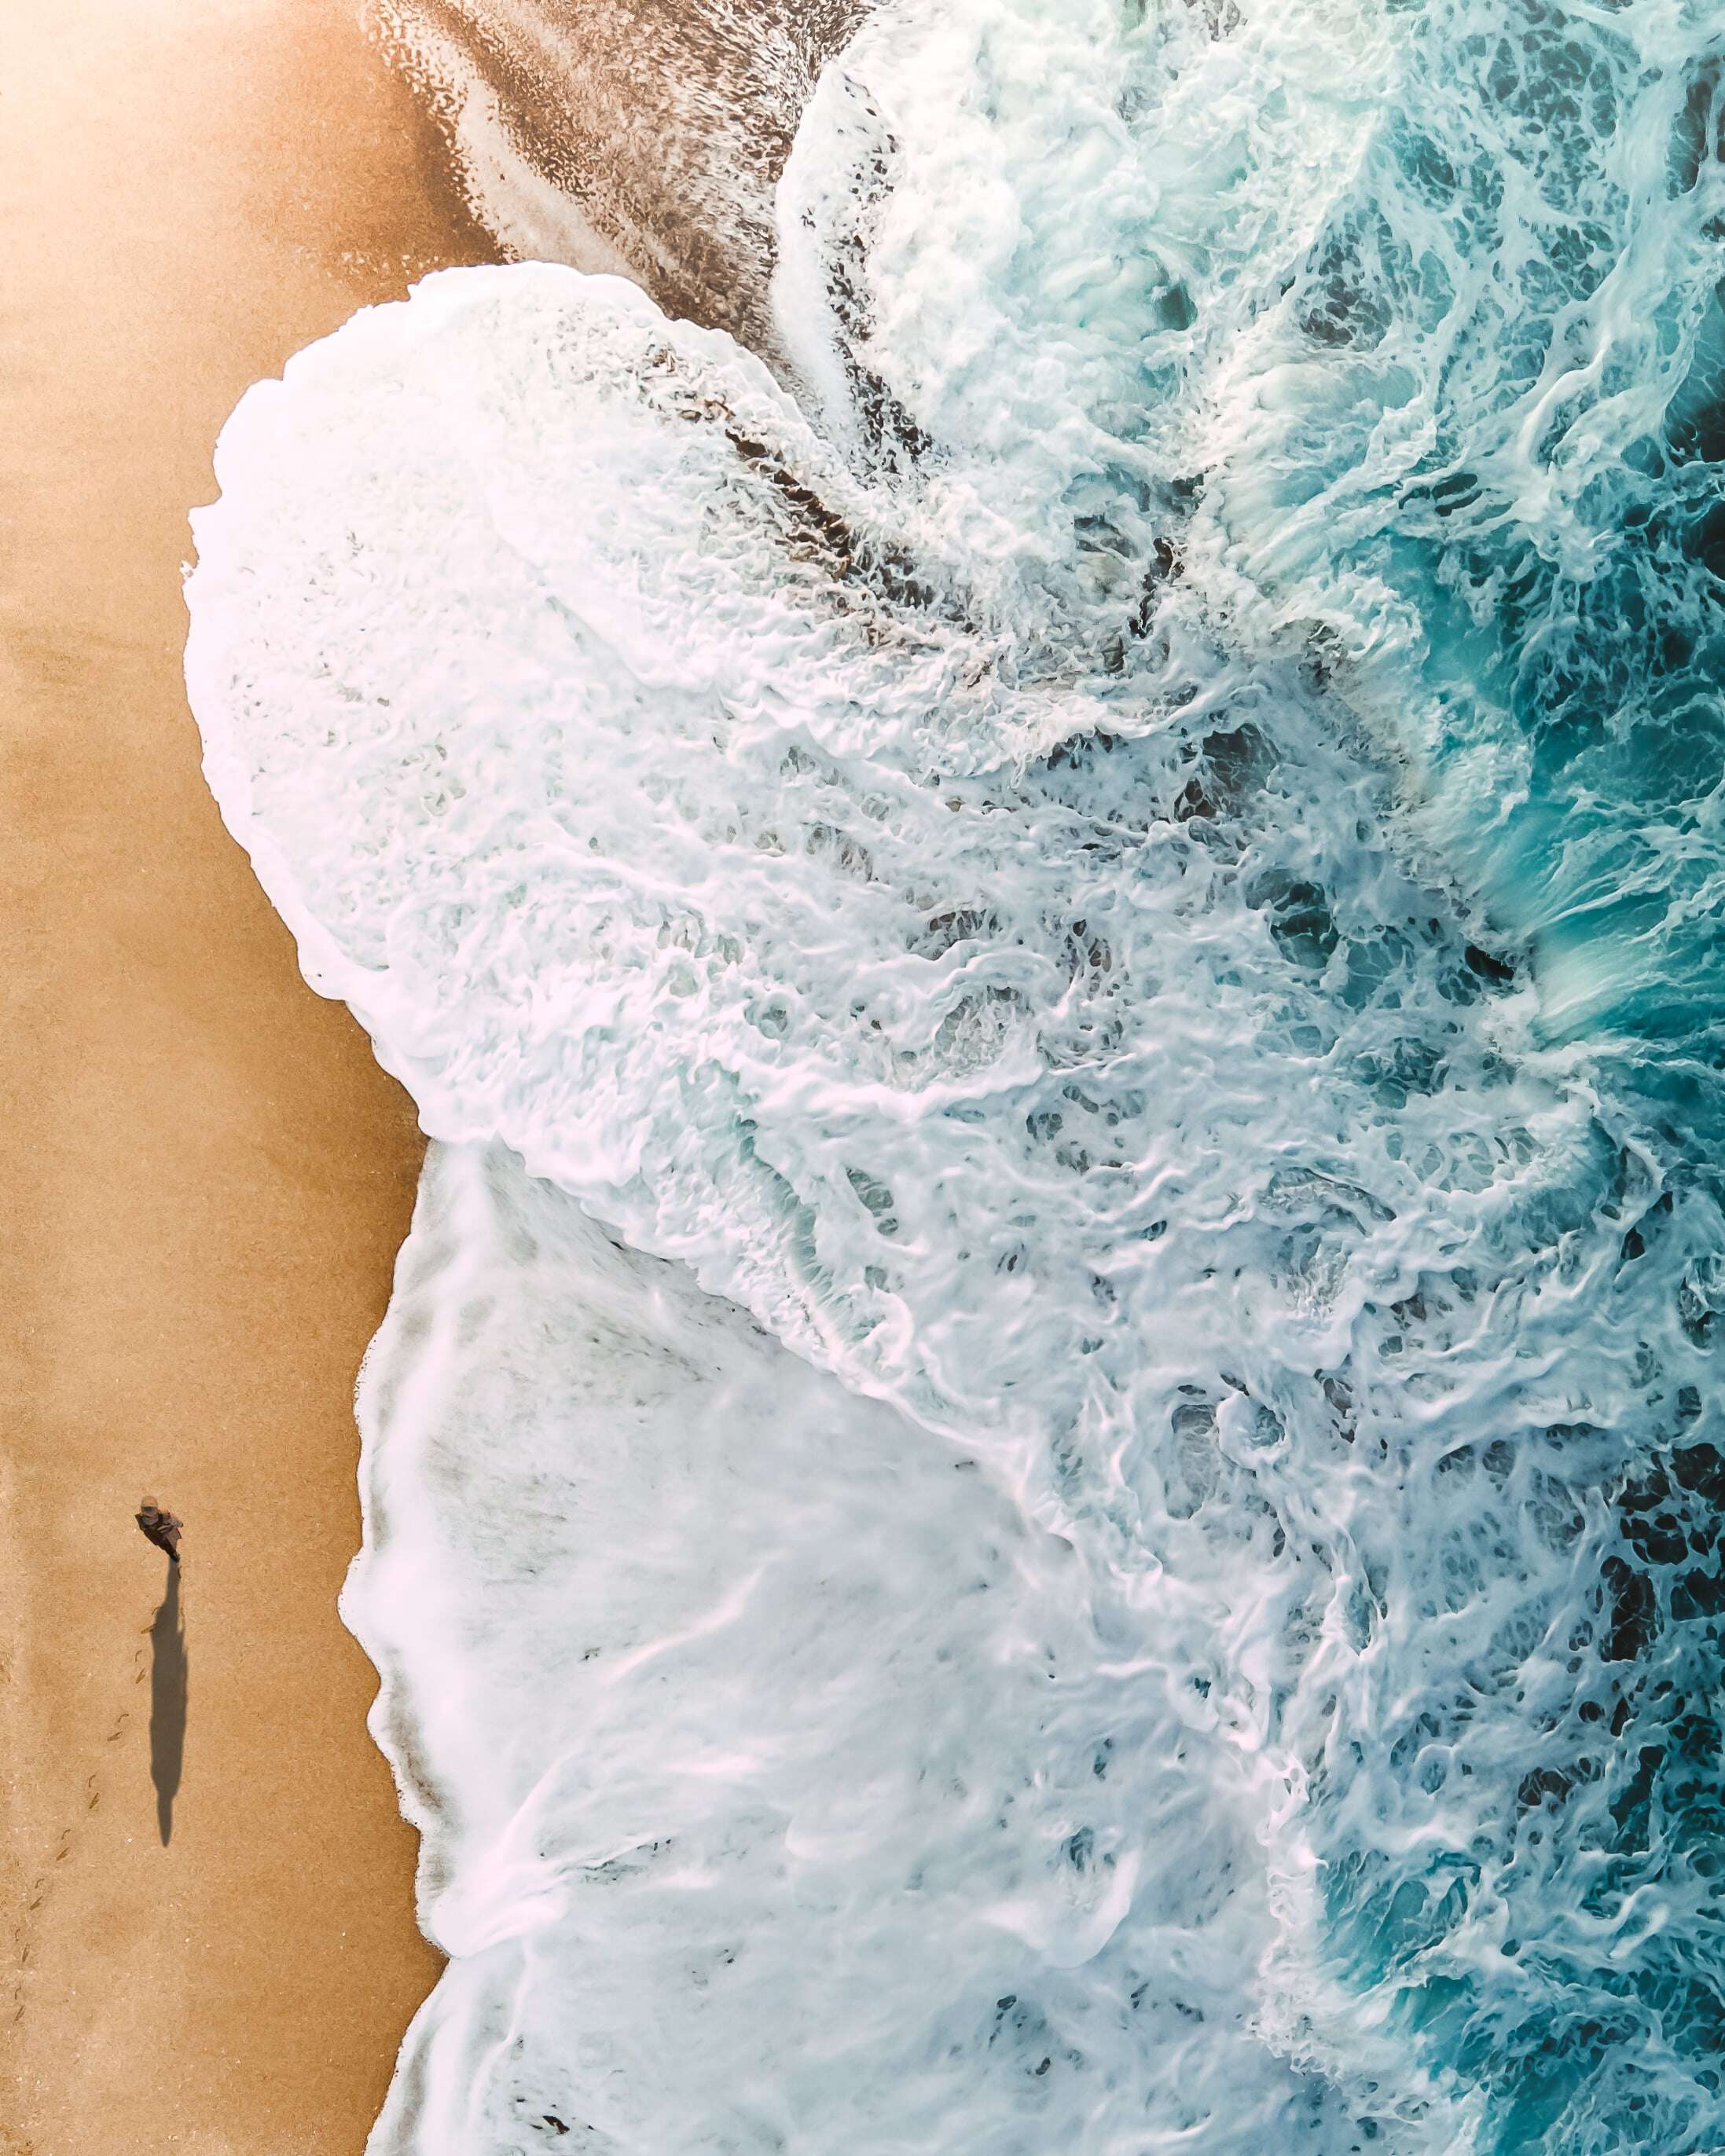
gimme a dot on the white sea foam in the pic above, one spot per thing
(1008, 1096)
(774, 1791)
(873, 850)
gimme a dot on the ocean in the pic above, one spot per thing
(1044, 1476)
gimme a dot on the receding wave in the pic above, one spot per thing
(1044, 1476)
(648, 134)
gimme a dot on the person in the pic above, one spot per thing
(160, 1528)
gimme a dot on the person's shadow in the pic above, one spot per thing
(167, 1702)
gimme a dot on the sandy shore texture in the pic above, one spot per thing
(205, 1175)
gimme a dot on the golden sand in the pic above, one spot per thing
(205, 1176)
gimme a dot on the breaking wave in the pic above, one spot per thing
(1045, 1474)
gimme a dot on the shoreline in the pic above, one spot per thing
(209, 1175)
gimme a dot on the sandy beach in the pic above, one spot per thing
(206, 1175)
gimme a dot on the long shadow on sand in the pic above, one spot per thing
(167, 1702)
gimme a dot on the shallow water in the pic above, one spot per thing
(641, 135)
(1124, 859)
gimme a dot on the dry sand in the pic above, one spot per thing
(205, 1176)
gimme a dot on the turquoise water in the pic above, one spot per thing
(1530, 258)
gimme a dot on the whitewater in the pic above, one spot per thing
(1044, 1478)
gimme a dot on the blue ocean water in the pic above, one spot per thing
(1045, 1476)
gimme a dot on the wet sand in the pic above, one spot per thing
(657, 130)
(205, 1175)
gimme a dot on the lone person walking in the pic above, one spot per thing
(160, 1528)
